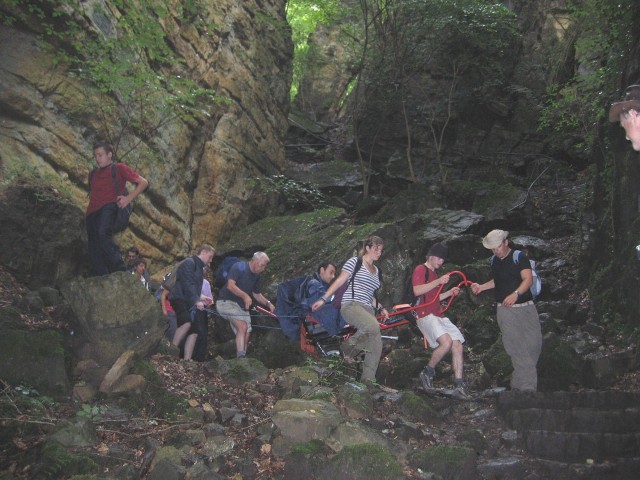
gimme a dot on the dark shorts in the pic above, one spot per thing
(183, 311)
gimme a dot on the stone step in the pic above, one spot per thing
(517, 467)
(603, 400)
(581, 447)
(578, 420)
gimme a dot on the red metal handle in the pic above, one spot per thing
(463, 283)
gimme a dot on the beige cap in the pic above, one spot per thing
(494, 238)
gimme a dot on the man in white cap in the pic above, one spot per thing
(517, 315)
(440, 332)
(627, 112)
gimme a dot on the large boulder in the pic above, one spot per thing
(446, 462)
(113, 314)
(363, 462)
(32, 358)
(28, 216)
(305, 420)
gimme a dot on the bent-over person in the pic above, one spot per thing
(441, 334)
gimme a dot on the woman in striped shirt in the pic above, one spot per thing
(358, 306)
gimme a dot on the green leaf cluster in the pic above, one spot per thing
(425, 63)
(598, 37)
(304, 16)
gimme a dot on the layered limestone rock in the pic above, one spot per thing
(200, 171)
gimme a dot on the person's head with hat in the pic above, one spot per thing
(437, 255)
(497, 241)
(627, 112)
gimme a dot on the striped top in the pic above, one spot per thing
(364, 285)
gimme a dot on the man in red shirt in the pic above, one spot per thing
(104, 201)
(441, 334)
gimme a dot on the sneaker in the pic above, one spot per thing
(427, 380)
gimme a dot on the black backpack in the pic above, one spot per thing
(409, 297)
(171, 278)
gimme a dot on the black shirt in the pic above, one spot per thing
(507, 278)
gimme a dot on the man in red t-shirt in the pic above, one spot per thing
(104, 201)
(441, 334)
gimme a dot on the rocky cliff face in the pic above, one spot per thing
(200, 178)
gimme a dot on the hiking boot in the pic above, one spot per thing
(460, 391)
(349, 353)
(426, 379)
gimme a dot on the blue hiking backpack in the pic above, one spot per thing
(536, 286)
(222, 273)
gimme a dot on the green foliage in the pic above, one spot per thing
(92, 412)
(600, 32)
(47, 186)
(423, 63)
(298, 195)
(24, 411)
(304, 16)
(56, 462)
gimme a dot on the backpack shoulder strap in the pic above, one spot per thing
(516, 256)
(426, 272)
(114, 177)
(357, 267)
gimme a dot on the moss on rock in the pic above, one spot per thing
(497, 362)
(449, 462)
(363, 462)
(37, 360)
(57, 462)
(287, 240)
(312, 447)
(417, 408)
(559, 365)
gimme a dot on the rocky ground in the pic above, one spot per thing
(474, 422)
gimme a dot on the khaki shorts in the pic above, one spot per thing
(433, 327)
(230, 310)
